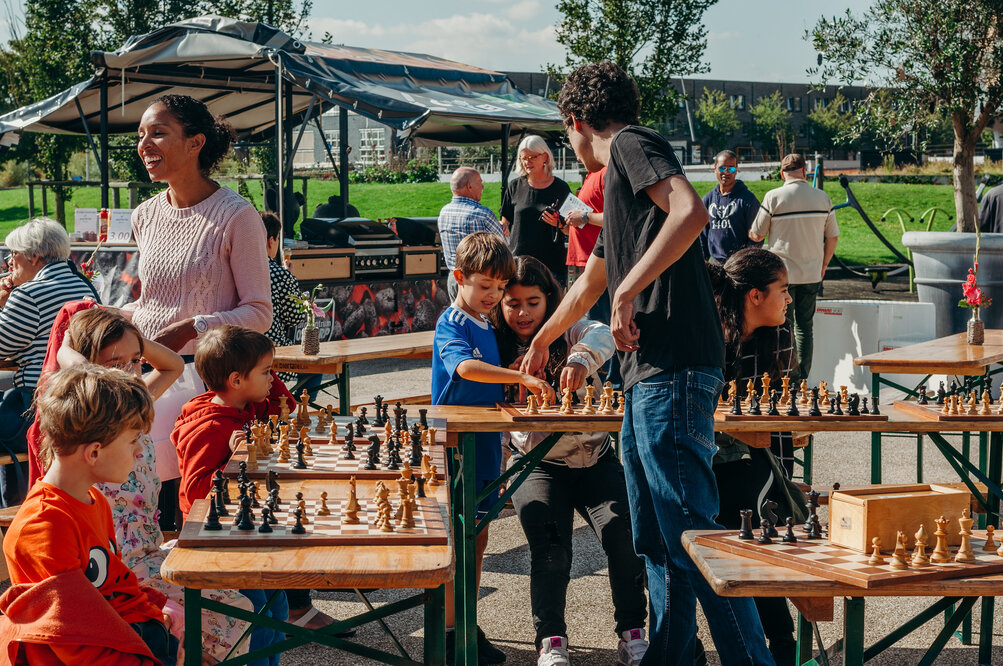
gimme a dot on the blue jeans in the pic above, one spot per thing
(262, 636)
(667, 452)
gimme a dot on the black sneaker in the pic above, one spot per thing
(486, 652)
(699, 654)
(784, 651)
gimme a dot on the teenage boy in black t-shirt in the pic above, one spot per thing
(671, 347)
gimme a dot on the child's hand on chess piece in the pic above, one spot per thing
(538, 387)
(573, 376)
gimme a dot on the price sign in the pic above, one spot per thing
(85, 221)
(120, 229)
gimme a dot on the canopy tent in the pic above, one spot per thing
(265, 82)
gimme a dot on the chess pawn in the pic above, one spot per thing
(622, 402)
(804, 393)
(531, 408)
(876, 557)
(940, 554)
(323, 510)
(898, 555)
(919, 556)
(965, 554)
(946, 409)
(990, 544)
(433, 479)
(545, 401)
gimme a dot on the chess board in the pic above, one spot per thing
(932, 412)
(724, 414)
(820, 558)
(429, 526)
(517, 412)
(328, 462)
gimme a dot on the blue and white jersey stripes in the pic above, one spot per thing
(458, 337)
(26, 319)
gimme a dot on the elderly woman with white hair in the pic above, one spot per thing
(39, 283)
(534, 230)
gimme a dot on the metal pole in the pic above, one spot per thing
(279, 165)
(506, 132)
(104, 140)
(343, 158)
(287, 184)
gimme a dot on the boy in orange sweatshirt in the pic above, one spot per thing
(61, 548)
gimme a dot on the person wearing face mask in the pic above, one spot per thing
(40, 281)
(732, 209)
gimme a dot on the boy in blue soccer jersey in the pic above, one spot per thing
(466, 371)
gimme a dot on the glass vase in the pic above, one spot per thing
(976, 329)
(311, 340)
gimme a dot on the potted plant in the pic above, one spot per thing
(974, 298)
(311, 334)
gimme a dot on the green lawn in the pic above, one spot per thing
(857, 245)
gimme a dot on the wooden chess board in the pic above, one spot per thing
(932, 412)
(820, 558)
(724, 414)
(429, 526)
(517, 412)
(328, 462)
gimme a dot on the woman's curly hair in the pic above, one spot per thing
(196, 118)
(599, 94)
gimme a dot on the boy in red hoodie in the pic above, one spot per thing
(61, 547)
(236, 364)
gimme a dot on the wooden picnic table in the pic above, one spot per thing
(336, 355)
(8, 364)
(427, 568)
(733, 575)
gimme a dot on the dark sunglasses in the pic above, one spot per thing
(722, 169)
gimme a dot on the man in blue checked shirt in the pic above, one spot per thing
(464, 215)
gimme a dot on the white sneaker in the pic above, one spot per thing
(554, 652)
(632, 647)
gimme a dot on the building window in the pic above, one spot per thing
(846, 106)
(737, 102)
(794, 104)
(820, 103)
(332, 139)
(373, 146)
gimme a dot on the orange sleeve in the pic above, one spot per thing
(91, 655)
(33, 554)
(201, 453)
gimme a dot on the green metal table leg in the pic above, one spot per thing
(435, 627)
(966, 445)
(919, 458)
(875, 436)
(465, 585)
(193, 627)
(806, 456)
(804, 645)
(995, 473)
(853, 631)
(344, 397)
(986, 631)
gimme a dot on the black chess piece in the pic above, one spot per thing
(270, 503)
(420, 480)
(874, 406)
(349, 448)
(404, 425)
(415, 460)
(616, 401)
(774, 399)
(769, 511)
(360, 428)
(837, 410)
(921, 399)
(954, 387)
(252, 490)
(988, 383)
(416, 432)
(271, 481)
(362, 415)
(220, 497)
(832, 406)
(736, 404)
(812, 506)
(941, 394)
(813, 409)
(385, 417)
(241, 490)
(212, 523)
(792, 408)
(754, 405)
(274, 495)
(370, 459)
(300, 460)
(378, 403)
(746, 532)
(815, 531)
(789, 536)
(397, 416)
(853, 405)
(423, 418)
(242, 474)
(298, 527)
(266, 521)
(245, 522)
(765, 529)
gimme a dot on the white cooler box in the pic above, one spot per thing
(845, 330)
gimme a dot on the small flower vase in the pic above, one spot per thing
(976, 329)
(311, 340)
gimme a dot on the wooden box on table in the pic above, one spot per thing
(857, 515)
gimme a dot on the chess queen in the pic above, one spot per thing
(751, 291)
(581, 472)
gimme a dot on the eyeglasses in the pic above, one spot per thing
(723, 169)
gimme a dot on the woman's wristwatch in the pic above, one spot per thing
(200, 324)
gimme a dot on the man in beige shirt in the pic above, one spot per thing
(801, 225)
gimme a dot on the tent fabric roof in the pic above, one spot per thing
(231, 65)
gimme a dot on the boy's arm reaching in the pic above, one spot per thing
(485, 373)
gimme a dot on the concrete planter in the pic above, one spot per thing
(942, 260)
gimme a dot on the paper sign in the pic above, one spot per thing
(85, 221)
(120, 229)
(572, 203)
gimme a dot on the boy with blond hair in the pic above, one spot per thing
(61, 548)
(466, 370)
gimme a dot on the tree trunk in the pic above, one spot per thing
(963, 173)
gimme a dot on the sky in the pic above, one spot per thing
(748, 40)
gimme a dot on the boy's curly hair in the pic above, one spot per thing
(599, 94)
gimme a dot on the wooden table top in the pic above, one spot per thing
(948, 355)
(336, 352)
(314, 567)
(8, 364)
(732, 575)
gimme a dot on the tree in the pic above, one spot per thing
(654, 40)
(718, 119)
(771, 124)
(830, 127)
(935, 55)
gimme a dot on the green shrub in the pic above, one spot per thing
(14, 173)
